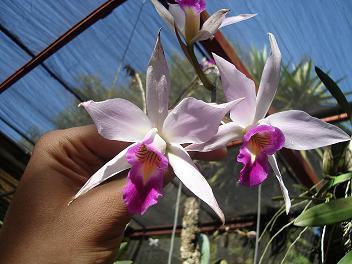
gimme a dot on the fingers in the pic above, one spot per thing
(90, 138)
(62, 161)
(106, 149)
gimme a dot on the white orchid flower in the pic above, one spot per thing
(263, 136)
(186, 15)
(158, 137)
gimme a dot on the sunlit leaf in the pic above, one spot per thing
(340, 179)
(122, 250)
(347, 259)
(325, 214)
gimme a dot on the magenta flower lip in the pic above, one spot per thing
(197, 6)
(145, 178)
(264, 139)
(254, 172)
(258, 142)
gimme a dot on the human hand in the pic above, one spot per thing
(41, 228)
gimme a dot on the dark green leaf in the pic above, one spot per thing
(325, 214)
(334, 90)
(347, 259)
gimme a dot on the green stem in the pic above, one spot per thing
(204, 79)
(293, 243)
(277, 233)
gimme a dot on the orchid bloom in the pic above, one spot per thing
(263, 136)
(186, 15)
(158, 137)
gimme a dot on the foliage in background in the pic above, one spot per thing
(332, 208)
(299, 87)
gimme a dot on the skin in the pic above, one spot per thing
(40, 227)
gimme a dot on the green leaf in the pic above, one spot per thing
(347, 259)
(122, 250)
(334, 90)
(340, 179)
(204, 249)
(325, 214)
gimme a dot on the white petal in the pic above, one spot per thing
(118, 119)
(235, 85)
(194, 121)
(157, 86)
(211, 25)
(179, 16)
(235, 19)
(303, 131)
(190, 176)
(164, 13)
(273, 164)
(114, 166)
(226, 134)
(269, 81)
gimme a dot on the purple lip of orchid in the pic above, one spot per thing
(258, 143)
(145, 178)
(196, 5)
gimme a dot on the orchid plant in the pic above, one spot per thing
(158, 136)
(263, 136)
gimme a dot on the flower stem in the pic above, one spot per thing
(258, 225)
(204, 79)
(175, 223)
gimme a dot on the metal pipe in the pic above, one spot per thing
(19, 43)
(73, 32)
(204, 228)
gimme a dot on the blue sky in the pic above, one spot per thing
(319, 29)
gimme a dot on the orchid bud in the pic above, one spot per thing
(192, 24)
(192, 9)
